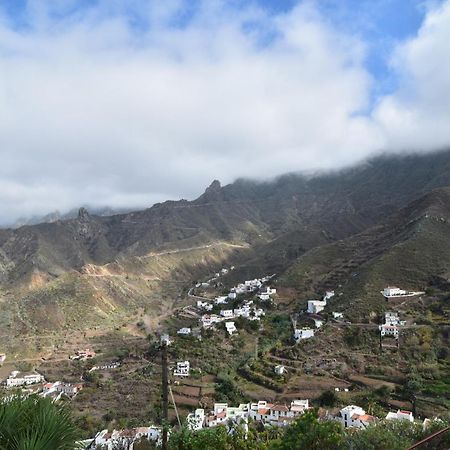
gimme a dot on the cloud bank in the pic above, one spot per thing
(128, 103)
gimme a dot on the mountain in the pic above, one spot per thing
(72, 214)
(318, 231)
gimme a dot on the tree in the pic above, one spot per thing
(328, 398)
(386, 435)
(307, 432)
(36, 423)
(206, 439)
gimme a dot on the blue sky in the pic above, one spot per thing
(154, 99)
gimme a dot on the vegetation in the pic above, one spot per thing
(35, 423)
(308, 432)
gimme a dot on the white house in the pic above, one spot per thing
(232, 295)
(354, 416)
(391, 318)
(209, 320)
(184, 331)
(244, 311)
(125, 439)
(222, 414)
(221, 300)
(316, 306)
(165, 339)
(280, 369)
(392, 291)
(59, 386)
(25, 379)
(277, 414)
(299, 406)
(2, 357)
(328, 295)
(338, 315)
(182, 369)
(253, 284)
(265, 292)
(257, 313)
(400, 415)
(303, 333)
(318, 323)
(227, 313)
(230, 327)
(388, 330)
(204, 305)
(196, 419)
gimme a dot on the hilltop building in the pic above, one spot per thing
(393, 291)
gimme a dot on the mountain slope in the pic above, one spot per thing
(336, 205)
(410, 248)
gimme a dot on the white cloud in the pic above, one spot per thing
(92, 111)
(417, 115)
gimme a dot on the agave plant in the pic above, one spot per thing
(35, 423)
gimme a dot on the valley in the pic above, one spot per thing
(114, 284)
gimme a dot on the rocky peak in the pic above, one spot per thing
(83, 214)
(215, 186)
(212, 192)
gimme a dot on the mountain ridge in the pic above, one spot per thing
(328, 227)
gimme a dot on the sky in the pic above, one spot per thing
(124, 103)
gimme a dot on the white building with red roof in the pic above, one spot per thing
(355, 416)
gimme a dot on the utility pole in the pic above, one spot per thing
(165, 394)
(381, 344)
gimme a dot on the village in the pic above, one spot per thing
(245, 301)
